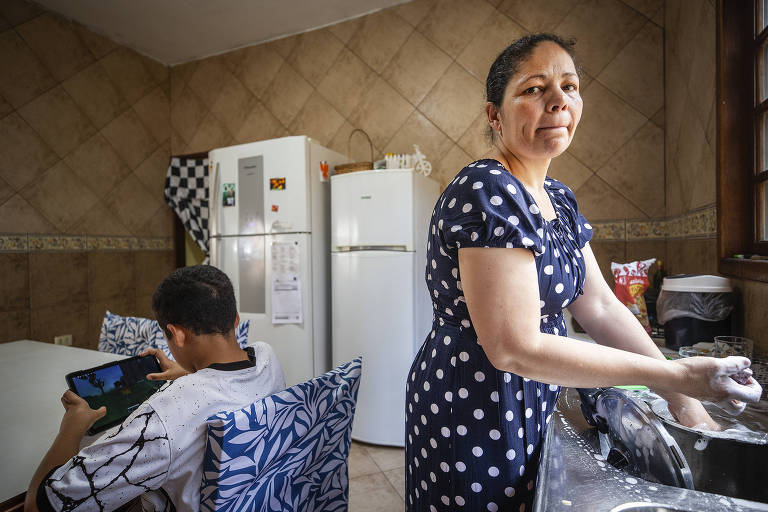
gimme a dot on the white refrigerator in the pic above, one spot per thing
(381, 306)
(269, 232)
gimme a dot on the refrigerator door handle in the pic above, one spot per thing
(213, 220)
(355, 248)
(213, 251)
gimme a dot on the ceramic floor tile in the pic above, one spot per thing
(373, 493)
(386, 457)
(360, 463)
(396, 478)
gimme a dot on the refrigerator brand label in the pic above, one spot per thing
(365, 197)
(228, 194)
(276, 183)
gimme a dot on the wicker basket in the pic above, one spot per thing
(356, 166)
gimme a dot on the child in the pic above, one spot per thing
(158, 451)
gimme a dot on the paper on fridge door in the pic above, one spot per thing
(286, 284)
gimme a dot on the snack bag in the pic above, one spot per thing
(631, 282)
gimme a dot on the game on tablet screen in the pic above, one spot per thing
(121, 387)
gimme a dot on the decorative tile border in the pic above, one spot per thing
(701, 223)
(29, 242)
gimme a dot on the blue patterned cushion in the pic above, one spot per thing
(130, 335)
(287, 452)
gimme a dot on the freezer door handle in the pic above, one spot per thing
(354, 248)
(213, 218)
(213, 251)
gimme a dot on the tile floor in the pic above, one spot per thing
(376, 478)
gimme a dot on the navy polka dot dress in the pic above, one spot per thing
(474, 433)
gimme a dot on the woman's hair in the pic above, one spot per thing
(506, 64)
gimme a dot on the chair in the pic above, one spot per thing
(286, 452)
(130, 335)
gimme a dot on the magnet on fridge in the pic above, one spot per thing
(323, 170)
(275, 207)
(228, 194)
(276, 183)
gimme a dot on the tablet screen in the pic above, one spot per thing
(120, 386)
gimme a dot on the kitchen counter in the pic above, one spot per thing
(573, 476)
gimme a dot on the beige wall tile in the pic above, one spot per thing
(415, 11)
(14, 287)
(5, 108)
(55, 41)
(475, 142)
(284, 46)
(317, 119)
(18, 216)
(15, 324)
(128, 72)
(132, 203)
(56, 278)
(211, 134)
(233, 104)
(160, 223)
(382, 111)
(56, 118)
(110, 274)
(346, 81)
(287, 94)
(62, 318)
(598, 43)
(451, 24)
(453, 161)
(98, 45)
(417, 129)
(130, 138)
(100, 220)
(692, 256)
(17, 12)
(186, 114)
(637, 170)
(25, 156)
(649, 8)
(154, 112)
(537, 16)
(97, 164)
(142, 307)
(150, 268)
(356, 147)
(569, 170)
(6, 191)
(416, 67)
(637, 72)
(497, 33)
(179, 77)
(96, 95)
(60, 196)
(259, 66)
(152, 171)
(260, 124)
(454, 102)
(755, 299)
(607, 123)
(346, 29)
(701, 80)
(314, 53)
(607, 252)
(598, 201)
(24, 77)
(208, 79)
(379, 38)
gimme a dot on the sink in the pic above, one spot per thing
(648, 507)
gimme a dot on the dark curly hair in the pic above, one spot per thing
(506, 64)
(199, 298)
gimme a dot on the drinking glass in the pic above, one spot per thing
(733, 346)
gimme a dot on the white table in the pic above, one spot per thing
(31, 385)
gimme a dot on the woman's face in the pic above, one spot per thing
(541, 106)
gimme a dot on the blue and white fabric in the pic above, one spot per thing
(474, 433)
(130, 335)
(287, 452)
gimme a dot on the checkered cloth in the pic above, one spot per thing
(186, 191)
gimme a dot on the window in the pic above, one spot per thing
(742, 137)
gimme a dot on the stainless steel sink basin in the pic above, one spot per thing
(648, 507)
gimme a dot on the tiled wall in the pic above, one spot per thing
(84, 146)
(415, 73)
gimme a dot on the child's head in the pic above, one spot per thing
(199, 299)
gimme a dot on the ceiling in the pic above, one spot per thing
(176, 31)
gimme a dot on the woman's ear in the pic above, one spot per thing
(494, 117)
(178, 335)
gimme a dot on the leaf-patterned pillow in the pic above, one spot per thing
(130, 335)
(286, 452)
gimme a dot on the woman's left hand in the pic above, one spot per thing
(690, 413)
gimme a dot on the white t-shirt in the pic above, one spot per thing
(158, 451)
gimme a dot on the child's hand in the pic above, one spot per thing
(170, 369)
(78, 415)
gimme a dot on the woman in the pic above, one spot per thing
(508, 251)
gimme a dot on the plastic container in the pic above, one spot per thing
(695, 308)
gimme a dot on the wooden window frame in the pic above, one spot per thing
(737, 126)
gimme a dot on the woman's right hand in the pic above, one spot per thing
(710, 378)
(171, 370)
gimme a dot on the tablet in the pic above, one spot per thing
(120, 386)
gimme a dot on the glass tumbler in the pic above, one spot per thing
(733, 346)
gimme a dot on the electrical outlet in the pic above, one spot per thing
(64, 339)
